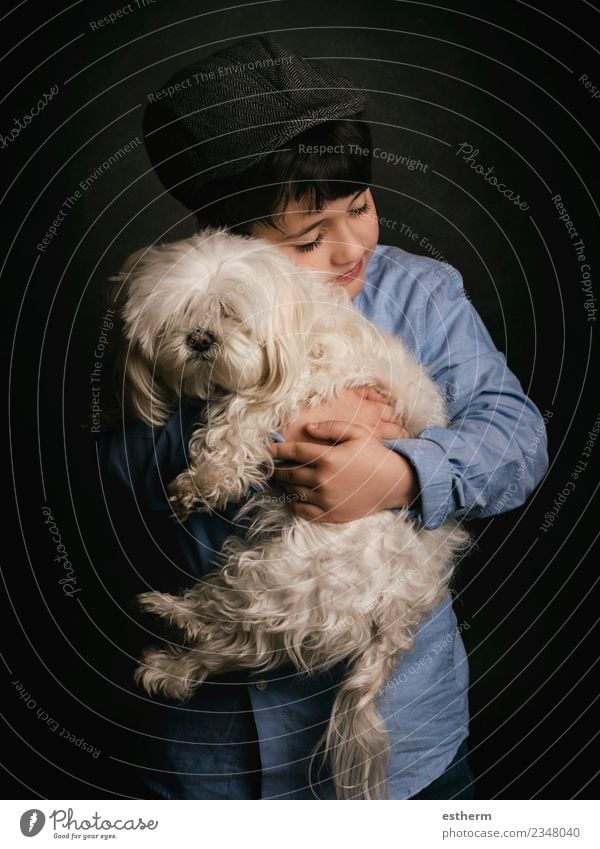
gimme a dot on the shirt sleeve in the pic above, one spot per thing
(494, 452)
(144, 460)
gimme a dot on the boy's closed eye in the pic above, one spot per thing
(306, 247)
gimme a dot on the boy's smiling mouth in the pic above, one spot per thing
(350, 275)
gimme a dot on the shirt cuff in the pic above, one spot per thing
(434, 474)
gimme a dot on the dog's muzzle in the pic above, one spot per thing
(201, 341)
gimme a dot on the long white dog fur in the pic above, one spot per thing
(231, 321)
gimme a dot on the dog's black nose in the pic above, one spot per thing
(200, 340)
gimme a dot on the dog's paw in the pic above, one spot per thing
(160, 672)
(188, 494)
(183, 506)
(159, 604)
(177, 618)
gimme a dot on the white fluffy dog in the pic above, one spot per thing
(232, 321)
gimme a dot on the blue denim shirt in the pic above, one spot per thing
(487, 461)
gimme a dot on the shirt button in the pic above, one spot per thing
(261, 685)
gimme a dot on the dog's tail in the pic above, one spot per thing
(356, 742)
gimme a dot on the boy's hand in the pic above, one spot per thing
(346, 474)
(363, 406)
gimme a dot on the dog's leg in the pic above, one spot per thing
(177, 611)
(224, 625)
(255, 612)
(170, 671)
(176, 671)
(356, 740)
(225, 459)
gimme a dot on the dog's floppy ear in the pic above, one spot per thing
(285, 348)
(138, 388)
(148, 398)
(282, 365)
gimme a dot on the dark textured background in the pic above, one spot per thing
(502, 77)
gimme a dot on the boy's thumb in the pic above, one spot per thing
(335, 431)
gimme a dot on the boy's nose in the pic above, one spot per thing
(346, 253)
(346, 260)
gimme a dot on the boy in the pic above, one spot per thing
(258, 140)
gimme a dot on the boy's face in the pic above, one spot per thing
(338, 239)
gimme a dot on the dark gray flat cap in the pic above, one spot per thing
(224, 113)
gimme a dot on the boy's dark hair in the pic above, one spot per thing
(340, 167)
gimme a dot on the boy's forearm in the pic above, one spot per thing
(463, 475)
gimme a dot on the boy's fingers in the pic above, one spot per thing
(337, 431)
(308, 452)
(391, 430)
(389, 414)
(302, 494)
(371, 393)
(310, 512)
(298, 452)
(297, 475)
